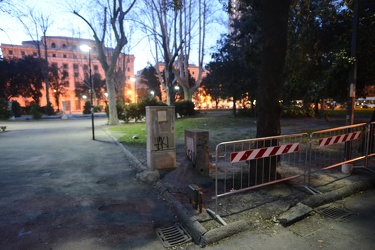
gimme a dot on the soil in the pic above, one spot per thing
(258, 207)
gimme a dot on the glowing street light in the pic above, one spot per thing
(86, 48)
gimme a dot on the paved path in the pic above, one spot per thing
(59, 189)
(316, 232)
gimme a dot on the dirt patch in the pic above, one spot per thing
(258, 207)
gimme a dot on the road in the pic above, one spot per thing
(59, 189)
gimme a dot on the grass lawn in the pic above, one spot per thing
(221, 127)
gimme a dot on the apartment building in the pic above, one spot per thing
(65, 53)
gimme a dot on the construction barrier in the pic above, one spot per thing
(335, 147)
(248, 164)
(370, 145)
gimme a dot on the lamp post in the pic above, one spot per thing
(86, 48)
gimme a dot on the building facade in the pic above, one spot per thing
(65, 53)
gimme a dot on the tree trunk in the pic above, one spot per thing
(275, 20)
(112, 109)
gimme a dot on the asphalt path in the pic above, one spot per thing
(59, 189)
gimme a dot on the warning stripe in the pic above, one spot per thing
(263, 152)
(339, 138)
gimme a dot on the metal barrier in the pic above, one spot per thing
(337, 146)
(370, 145)
(248, 164)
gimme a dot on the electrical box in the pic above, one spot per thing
(161, 142)
(197, 149)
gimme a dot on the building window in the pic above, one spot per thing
(74, 47)
(64, 46)
(128, 69)
(35, 54)
(65, 66)
(10, 52)
(23, 53)
(85, 67)
(54, 65)
(128, 77)
(76, 74)
(128, 60)
(75, 66)
(64, 56)
(96, 67)
(53, 55)
(76, 84)
(53, 45)
(66, 84)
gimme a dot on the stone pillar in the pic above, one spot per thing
(197, 149)
(161, 142)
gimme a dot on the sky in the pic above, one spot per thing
(67, 24)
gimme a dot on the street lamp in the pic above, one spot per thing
(86, 48)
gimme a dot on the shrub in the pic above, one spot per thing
(4, 112)
(297, 112)
(185, 108)
(16, 109)
(132, 111)
(87, 108)
(47, 110)
(144, 102)
(98, 108)
(120, 107)
(34, 111)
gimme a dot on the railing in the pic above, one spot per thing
(253, 163)
(248, 164)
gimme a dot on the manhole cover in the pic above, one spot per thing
(334, 212)
(173, 236)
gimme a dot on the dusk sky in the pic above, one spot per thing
(67, 24)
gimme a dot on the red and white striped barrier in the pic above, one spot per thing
(339, 139)
(263, 152)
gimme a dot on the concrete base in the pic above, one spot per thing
(161, 159)
(347, 168)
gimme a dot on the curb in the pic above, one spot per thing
(199, 234)
(304, 207)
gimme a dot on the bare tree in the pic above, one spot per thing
(36, 26)
(173, 27)
(115, 16)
